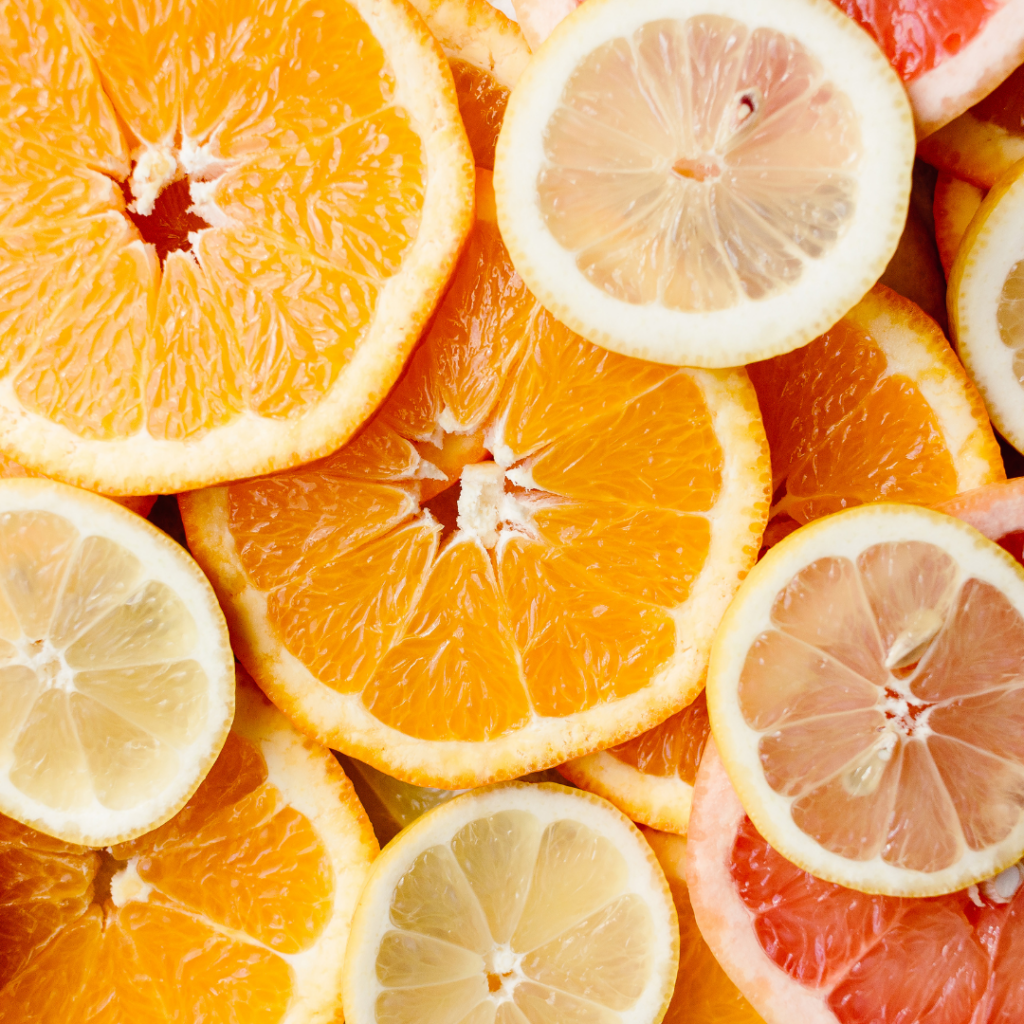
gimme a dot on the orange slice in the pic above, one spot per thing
(520, 559)
(864, 693)
(650, 778)
(237, 909)
(956, 203)
(219, 248)
(877, 408)
(983, 143)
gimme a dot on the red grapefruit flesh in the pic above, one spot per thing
(997, 511)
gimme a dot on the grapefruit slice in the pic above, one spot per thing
(864, 693)
(238, 909)
(997, 511)
(665, 196)
(514, 903)
(117, 677)
(983, 143)
(223, 238)
(801, 949)
(986, 304)
(454, 596)
(956, 203)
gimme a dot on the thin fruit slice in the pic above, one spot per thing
(237, 292)
(115, 669)
(514, 904)
(703, 993)
(238, 909)
(983, 143)
(877, 408)
(956, 203)
(664, 194)
(986, 304)
(865, 695)
(487, 54)
(650, 778)
(538, 18)
(805, 950)
(521, 558)
(997, 511)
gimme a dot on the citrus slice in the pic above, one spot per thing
(115, 669)
(956, 203)
(510, 904)
(664, 194)
(237, 909)
(983, 143)
(864, 692)
(877, 408)
(520, 559)
(801, 949)
(218, 249)
(650, 778)
(986, 304)
(997, 511)
(487, 54)
(538, 18)
(703, 993)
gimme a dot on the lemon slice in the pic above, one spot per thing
(704, 184)
(865, 692)
(986, 303)
(514, 903)
(116, 675)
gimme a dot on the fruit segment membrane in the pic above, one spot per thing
(511, 922)
(471, 559)
(101, 687)
(136, 932)
(943, 960)
(870, 693)
(750, 171)
(274, 123)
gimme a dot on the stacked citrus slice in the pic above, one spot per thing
(956, 203)
(218, 250)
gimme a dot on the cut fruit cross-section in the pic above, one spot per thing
(238, 909)
(223, 228)
(956, 203)
(866, 692)
(514, 903)
(704, 183)
(116, 676)
(522, 558)
(997, 511)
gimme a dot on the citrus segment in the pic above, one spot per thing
(802, 948)
(655, 205)
(956, 203)
(514, 903)
(851, 690)
(484, 531)
(877, 408)
(140, 928)
(997, 511)
(243, 297)
(650, 778)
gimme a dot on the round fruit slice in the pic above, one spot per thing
(514, 903)
(983, 143)
(650, 778)
(238, 909)
(115, 670)
(801, 949)
(986, 304)
(522, 558)
(877, 408)
(217, 250)
(997, 511)
(956, 203)
(703, 993)
(704, 184)
(865, 695)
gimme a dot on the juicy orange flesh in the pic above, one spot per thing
(318, 168)
(917, 762)
(569, 609)
(843, 429)
(716, 188)
(884, 958)
(672, 748)
(235, 864)
(482, 102)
